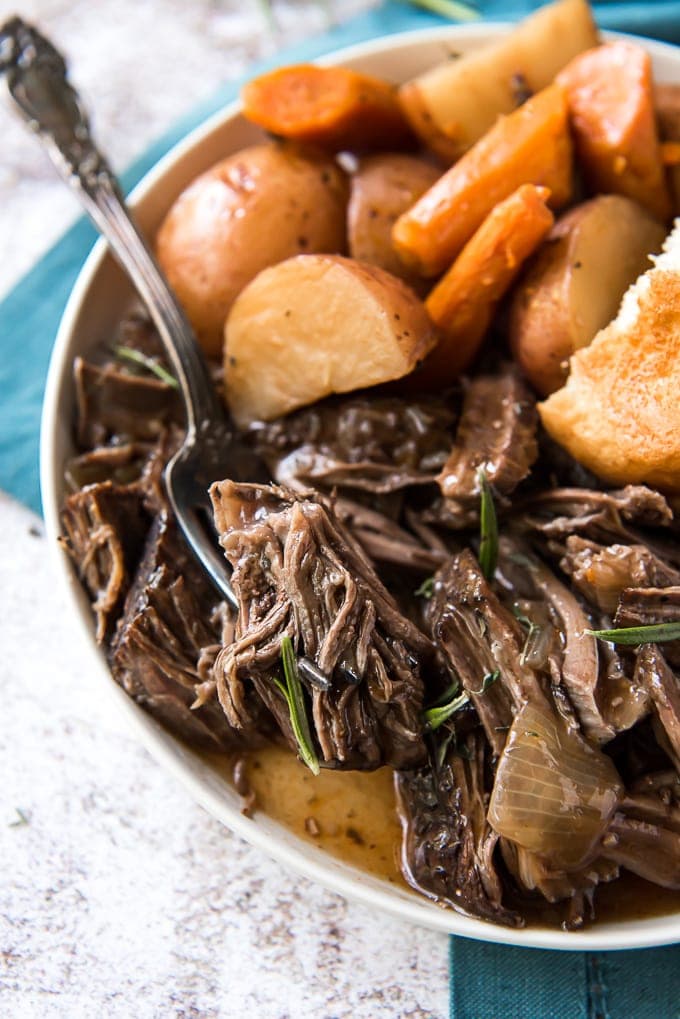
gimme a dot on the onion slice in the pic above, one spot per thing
(554, 793)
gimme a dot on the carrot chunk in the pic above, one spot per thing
(329, 106)
(530, 146)
(611, 106)
(463, 302)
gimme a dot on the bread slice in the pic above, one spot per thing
(619, 411)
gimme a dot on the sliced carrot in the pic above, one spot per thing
(530, 146)
(611, 107)
(329, 106)
(465, 299)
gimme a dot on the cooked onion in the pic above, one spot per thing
(554, 793)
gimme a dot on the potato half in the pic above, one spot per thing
(451, 105)
(576, 282)
(315, 325)
(259, 206)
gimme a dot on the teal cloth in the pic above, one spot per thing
(499, 982)
(487, 981)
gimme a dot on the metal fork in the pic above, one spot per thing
(37, 78)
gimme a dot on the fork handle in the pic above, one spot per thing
(37, 79)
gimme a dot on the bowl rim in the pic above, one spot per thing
(293, 852)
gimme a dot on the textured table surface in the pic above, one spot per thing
(119, 897)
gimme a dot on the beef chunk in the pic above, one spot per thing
(137, 466)
(386, 542)
(448, 845)
(167, 639)
(297, 572)
(112, 402)
(601, 572)
(496, 434)
(122, 464)
(376, 445)
(642, 606)
(603, 517)
(648, 850)
(479, 639)
(663, 687)
(105, 526)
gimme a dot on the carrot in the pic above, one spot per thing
(463, 302)
(611, 107)
(329, 106)
(529, 146)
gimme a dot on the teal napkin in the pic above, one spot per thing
(487, 981)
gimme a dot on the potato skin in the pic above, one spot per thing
(382, 188)
(315, 325)
(574, 285)
(253, 209)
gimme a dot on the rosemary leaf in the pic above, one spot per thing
(443, 748)
(444, 698)
(533, 630)
(488, 529)
(655, 633)
(455, 10)
(130, 354)
(426, 589)
(292, 691)
(434, 717)
(488, 680)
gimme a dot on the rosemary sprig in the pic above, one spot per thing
(436, 716)
(426, 589)
(654, 633)
(292, 691)
(452, 9)
(136, 356)
(488, 528)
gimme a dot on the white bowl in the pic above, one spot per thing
(92, 312)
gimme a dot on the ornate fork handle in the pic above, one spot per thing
(37, 78)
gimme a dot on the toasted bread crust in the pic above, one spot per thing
(619, 412)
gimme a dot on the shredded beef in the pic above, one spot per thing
(297, 572)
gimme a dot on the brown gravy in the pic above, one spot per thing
(352, 816)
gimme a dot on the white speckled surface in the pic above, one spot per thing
(119, 897)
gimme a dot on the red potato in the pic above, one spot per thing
(333, 107)
(315, 325)
(574, 286)
(251, 210)
(382, 188)
(451, 105)
(609, 92)
(530, 146)
(465, 299)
